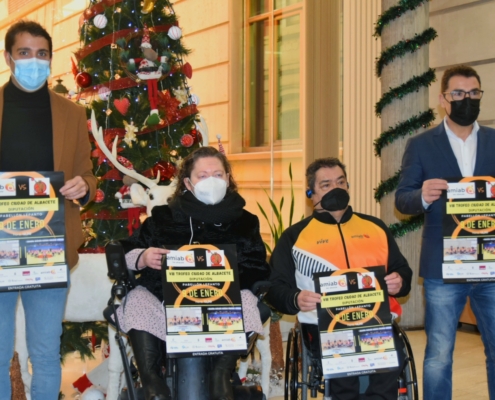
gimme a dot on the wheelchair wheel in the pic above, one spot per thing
(292, 367)
(408, 374)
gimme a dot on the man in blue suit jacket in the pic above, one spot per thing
(456, 148)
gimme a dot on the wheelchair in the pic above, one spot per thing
(303, 372)
(192, 369)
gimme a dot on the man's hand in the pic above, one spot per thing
(307, 300)
(432, 189)
(152, 257)
(74, 188)
(394, 283)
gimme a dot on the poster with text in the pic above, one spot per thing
(203, 301)
(469, 230)
(355, 323)
(32, 231)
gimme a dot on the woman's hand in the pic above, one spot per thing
(152, 257)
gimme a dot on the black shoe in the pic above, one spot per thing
(220, 384)
(148, 355)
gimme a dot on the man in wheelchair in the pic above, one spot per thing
(335, 237)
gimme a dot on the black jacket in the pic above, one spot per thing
(170, 225)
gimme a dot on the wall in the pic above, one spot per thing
(361, 90)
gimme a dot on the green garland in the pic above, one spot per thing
(394, 13)
(422, 120)
(403, 47)
(400, 229)
(411, 86)
(403, 128)
(387, 186)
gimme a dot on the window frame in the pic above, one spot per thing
(273, 17)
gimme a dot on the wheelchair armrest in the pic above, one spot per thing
(260, 289)
(265, 311)
(108, 312)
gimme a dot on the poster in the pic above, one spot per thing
(32, 231)
(203, 301)
(355, 324)
(469, 230)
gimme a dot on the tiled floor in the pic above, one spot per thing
(469, 366)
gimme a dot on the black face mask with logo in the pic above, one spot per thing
(335, 200)
(464, 112)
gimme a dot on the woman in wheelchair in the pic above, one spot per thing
(205, 208)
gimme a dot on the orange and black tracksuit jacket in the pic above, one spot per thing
(318, 243)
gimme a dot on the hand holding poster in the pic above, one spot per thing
(469, 230)
(203, 301)
(32, 231)
(355, 323)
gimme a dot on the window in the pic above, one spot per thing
(66, 8)
(273, 73)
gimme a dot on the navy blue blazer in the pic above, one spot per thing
(428, 156)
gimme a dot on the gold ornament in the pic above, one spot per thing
(130, 133)
(148, 6)
(88, 232)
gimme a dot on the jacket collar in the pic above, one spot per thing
(327, 218)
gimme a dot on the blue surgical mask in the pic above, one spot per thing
(31, 73)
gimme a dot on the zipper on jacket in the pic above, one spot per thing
(345, 249)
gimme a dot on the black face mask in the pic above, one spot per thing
(335, 200)
(464, 112)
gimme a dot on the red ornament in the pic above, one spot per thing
(198, 138)
(125, 162)
(83, 79)
(167, 171)
(187, 140)
(99, 196)
(90, 125)
(89, 13)
(187, 70)
(122, 105)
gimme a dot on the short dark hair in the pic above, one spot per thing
(190, 161)
(329, 162)
(31, 27)
(458, 70)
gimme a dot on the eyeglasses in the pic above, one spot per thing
(475, 94)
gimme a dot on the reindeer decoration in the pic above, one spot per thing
(155, 194)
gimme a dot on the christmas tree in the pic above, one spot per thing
(131, 73)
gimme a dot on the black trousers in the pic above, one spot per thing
(381, 386)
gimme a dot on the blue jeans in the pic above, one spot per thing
(444, 305)
(44, 310)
